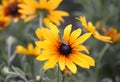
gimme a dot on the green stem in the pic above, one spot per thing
(58, 75)
(63, 78)
(40, 19)
(102, 53)
(100, 56)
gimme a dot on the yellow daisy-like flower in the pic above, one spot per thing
(39, 33)
(33, 9)
(90, 28)
(113, 33)
(3, 22)
(66, 51)
(9, 8)
(30, 50)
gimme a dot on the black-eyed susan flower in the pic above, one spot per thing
(30, 50)
(113, 33)
(3, 22)
(90, 28)
(66, 51)
(9, 8)
(46, 8)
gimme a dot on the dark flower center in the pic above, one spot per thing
(65, 49)
(12, 9)
(2, 24)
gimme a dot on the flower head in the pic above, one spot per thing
(3, 22)
(64, 50)
(9, 8)
(90, 28)
(113, 33)
(47, 8)
(30, 50)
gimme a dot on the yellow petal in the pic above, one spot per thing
(74, 35)
(44, 56)
(46, 45)
(72, 67)
(26, 11)
(20, 0)
(51, 62)
(60, 13)
(36, 51)
(12, 1)
(81, 48)
(83, 20)
(40, 44)
(54, 19)
(90, 27)
(67, 31)
(79, 61)
(62, 62)
(39, 34)
(4, 2)
(88, 58)
(30, 47)
(21, 50)
(46, 22)
(48, 35)
(53, 4)
(29, 18)
(1, 8)
(54, 29)
(81, 39)
(102, 38)
(42, 3)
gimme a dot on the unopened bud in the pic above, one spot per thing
(5, 70)
(10, 40)
(67, 72)
(38, 77)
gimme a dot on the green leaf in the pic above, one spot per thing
(18, 71)
(32, 80)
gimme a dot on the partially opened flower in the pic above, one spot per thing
(113, 33)
(30, 50)
(45, 9)
(9, 8)
(64, 50)
(3, 22)
(90, 28)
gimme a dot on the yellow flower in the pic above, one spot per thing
(64, 50)
(33, 8)
(9, 8)
(34, 51)
(39, 33)
(3, 22)
(113, 33)
(90, 28)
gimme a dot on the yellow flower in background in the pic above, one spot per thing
(3, 22)
(30, 50)
(90, 28)
(39, 33)
(64, 50)
(113, 33)
(9, 9)
(46, 8)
